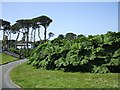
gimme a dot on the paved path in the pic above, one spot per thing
(5, 74)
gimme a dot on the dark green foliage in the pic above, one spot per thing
(70, 36)
(23, 52)
(14, 50)
(12, 43)
(96, 54)
(61, 36)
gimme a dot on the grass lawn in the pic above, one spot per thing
(27, 76)
(4, 58)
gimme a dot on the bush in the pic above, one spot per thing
(96, 54)
(14, 50)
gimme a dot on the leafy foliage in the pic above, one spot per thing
(96, 54)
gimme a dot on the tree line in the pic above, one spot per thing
(23, 26)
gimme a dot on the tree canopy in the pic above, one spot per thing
(23, 27)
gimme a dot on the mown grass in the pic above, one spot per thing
(4, 58)
(28, 77)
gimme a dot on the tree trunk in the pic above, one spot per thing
(16, 40)
(23, 40)
(27, 41)
(20, 53)
(31, 38)
(39, 34)
(34, 37)
(3, 43)
(9, 40)
(24, 51)
(3, 34)
(45, 34)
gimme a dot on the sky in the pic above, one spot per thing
(87, 18)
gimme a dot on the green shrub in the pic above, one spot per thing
(14, 50)
(96, 54)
